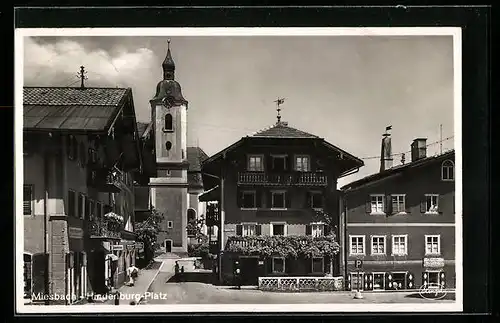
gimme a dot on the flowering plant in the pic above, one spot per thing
(114, 217)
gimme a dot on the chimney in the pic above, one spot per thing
(418, 149)
(386, 151)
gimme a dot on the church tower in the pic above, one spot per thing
(169, 189)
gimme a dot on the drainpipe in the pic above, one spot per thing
(46, 161)
(344, 229)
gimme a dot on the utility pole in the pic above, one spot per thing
(440, 138)
(82, 76)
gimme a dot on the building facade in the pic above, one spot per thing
(401, 223)
(80, 154)
(174, 175)
(280, 183)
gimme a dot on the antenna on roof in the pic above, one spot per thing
(82, 76)
(279, 102)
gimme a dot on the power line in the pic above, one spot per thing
(409, 151)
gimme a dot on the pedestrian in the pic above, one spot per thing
(132, 273)
(176, 269)
(237, 274)
(182, 273)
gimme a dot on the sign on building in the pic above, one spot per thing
(433, 262)
(358, 263)
(117, 247)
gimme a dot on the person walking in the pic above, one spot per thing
(176, 270)
(237, 274)
(182, 274)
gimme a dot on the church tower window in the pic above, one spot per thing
(168, 122)
(168, 145)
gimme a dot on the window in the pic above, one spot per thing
(255, 163)
(170, 224)
(81, 205)
(279, 163)
(316, 200)
(378, 245)
(399, 245)
(378, 281)
(431, 203)
(432, 245)
(28, 200)
(357, 281)
(357, 245)
(88, 209)
(168, 122)
(302, 164)
(72, 147)
(278, 200)
(168, 145)
(317, 265)
(377, 204)
(71, 203)
(191, 215)
(249, 200)
(447, 171)
(278, 229)
(398, 203)
(248, 229)
(278, 265)
(431, 277)
(27, 274)
(317, 229)
(210, 231)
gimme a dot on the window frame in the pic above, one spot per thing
(321, 224)
(249, 158)
(427, 196)
(404, 203)
(171, 129)
(438, 236)
(382, 196)
(243, 207)
(322, 265)
(351, 237)
(311, 201)
(405, 253)
(385, 245)
(296, 164)
(284, 224)
(253, 224)
(279, 156)
(283, 192)
(447, 167)
(170, 224)
(284, 265)
(32, 199)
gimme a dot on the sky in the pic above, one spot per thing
(345, 89)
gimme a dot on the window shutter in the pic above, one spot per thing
(388, 204)
(388, 281)
(288, 200)
(441, 201)
(288, 165)
(269, 199)
(240, 199)
(268, 161)
(410, 280)
(423, 206)
(407, 205)
(442, 279)
(69, 150)
(328, 230)
(258, 198)
(239, 230)
(326, 265)
(425, 278)
(308, 230)
(368, 206)
(39, 266)
(27, 199)
(258, 230)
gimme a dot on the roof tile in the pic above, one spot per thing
(73, 96)
(282, 130)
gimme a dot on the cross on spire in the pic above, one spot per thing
(82, 76)
(279, 102)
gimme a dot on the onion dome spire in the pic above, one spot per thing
(168, 65)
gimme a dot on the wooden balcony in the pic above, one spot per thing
(104, 229)
(283, 179)
(106, 179)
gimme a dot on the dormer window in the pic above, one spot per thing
(448, 171)
(168, 122)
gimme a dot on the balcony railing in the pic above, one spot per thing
(104, 229)
(106, 179)
(283, 179)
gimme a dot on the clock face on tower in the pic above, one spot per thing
(168, 101)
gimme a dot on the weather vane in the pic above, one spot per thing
(279, 102)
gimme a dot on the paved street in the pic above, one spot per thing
(191, 292)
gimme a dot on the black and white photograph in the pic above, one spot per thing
(238, 169)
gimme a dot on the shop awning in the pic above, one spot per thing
(210, 195)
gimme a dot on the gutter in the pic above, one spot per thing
(349, 173)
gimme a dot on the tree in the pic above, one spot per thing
(194, 229)
(322, 216)
(147, 233)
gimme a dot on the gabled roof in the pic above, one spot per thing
(282, 130)
(195, 156)
(397, 170)
(72, 109)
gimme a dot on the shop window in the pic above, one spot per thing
(378, 281)
(397, 281)
(357, 281)
(278, 265)
(27, 275)
(28, 200)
